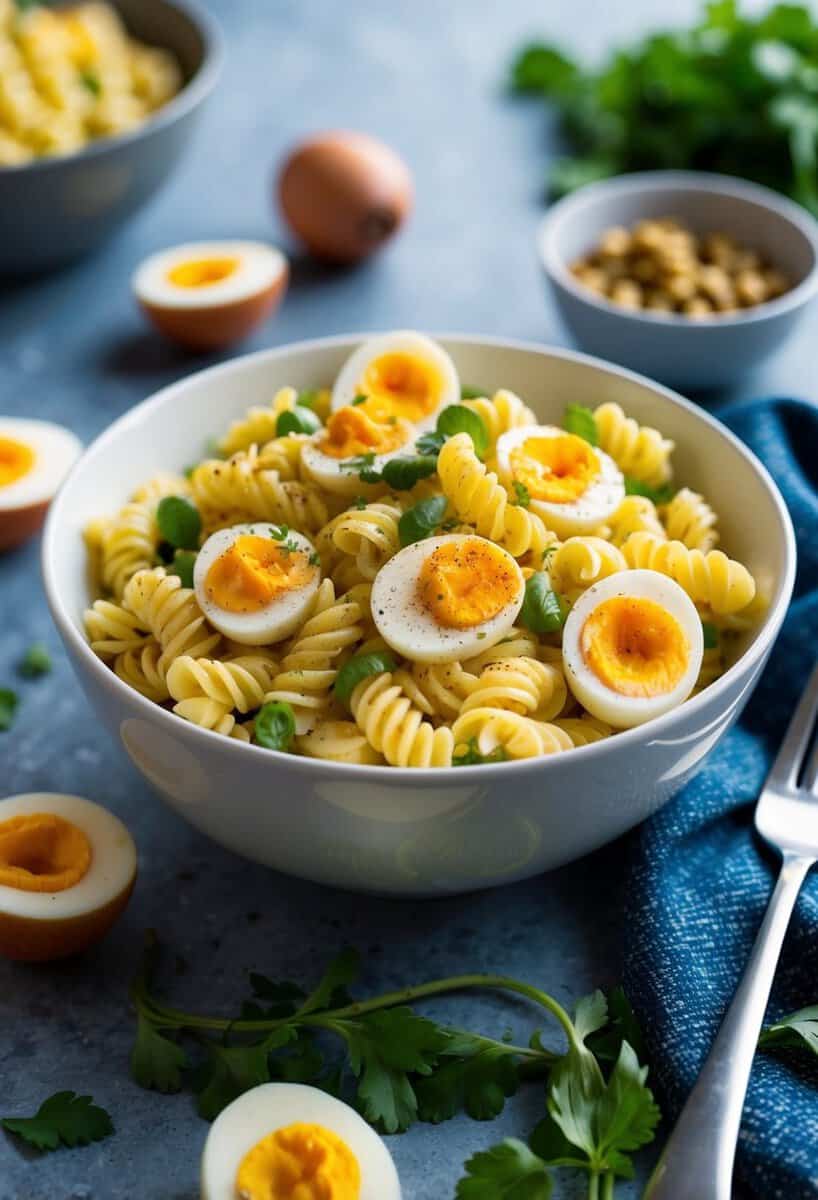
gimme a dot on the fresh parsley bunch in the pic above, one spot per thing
(735, 93)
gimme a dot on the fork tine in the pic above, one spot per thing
(811, 771)
(785, 769)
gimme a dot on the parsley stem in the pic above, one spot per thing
(593, 1186)
(608, 1180)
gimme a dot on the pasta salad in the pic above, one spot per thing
(405, 571)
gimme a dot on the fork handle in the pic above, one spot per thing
(697, 1162)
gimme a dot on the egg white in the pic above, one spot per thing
(272, 1106)
(417, 345)
(603, 702)
(55, 451)
(112, 867)
(259, 266)
(333, 473)
(270, 624)
(599, 501)
(411, 630)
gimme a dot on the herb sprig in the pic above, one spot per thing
(64, 1119)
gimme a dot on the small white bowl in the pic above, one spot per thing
(673, 348)
(385, 829)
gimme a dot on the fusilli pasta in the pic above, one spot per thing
(637, 450)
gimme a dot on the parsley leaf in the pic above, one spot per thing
(331, 991)
(711, 635)
(8, 707)
(359, 399)
(403, 473)
(91, 82)
(280, 999)
(359, 667)
(798, 1031)
(157, 1061)
(479, 1083)
(509, 1171)
(275, 725)
(64, 1118)
(430, 444)
(472, 393)
(621, 1026)
(459, 419)
(582, 422)
(659, 495)
(183, 563)
(470, 756)
(232, 1070)
(543, 610)
(297, 420)
(36, 661)
(179, 522)
(422, 519)
(522, 496)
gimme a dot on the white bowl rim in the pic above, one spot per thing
(654, 183)
(408, 776)
(191, 94)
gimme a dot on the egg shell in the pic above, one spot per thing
(624, 712)
(344, 194)
(267, 625)
(272, 1106)
(24, 503)
(591, 509)
(404, 341)
(210, 318)
(42, 926)
(409, 629)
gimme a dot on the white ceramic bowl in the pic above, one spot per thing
(385, 829)
(671, 347)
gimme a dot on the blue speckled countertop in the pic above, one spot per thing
(72, 348)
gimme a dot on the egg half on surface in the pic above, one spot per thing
(206, 295)
(572, 485)
(35, 457)
(285, 1140)
(67, 869)
(447, 598)
(351, 440)
(256, 583)
(632, 647)
(401, 376)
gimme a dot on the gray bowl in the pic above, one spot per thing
(56, 209)
(670, 347)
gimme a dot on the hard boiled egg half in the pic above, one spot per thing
(256, 583)
(352, 440)
(67, 868)
(207, 295)
(447, 598)
(572, 485)
(632, 647)
(400, 376)
(35, 457)
(282, 1140)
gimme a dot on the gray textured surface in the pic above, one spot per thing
(72, 348)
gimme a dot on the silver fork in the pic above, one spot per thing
(697, 1162)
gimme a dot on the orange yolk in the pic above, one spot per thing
(254, 572)
(41, 852)
(351, 432)
(400, 385)
(300, 1162)
(634, 646)
(465, 583)
(16, 460)
(555, 469)
(203, 272)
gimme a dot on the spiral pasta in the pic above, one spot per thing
(258, 425)
(636, 514)
(239, 485)
(338, 741)
(480, 500)
(369, 535)
(114, 630)
(514, 736)
(172, 615)
(437, 689)
(521, 685)
(518, 643)
(582, 561)
(239, 683)
(395, 728)
(712, 580)
(139, 668)
(309, 668)
(689, 518)
(207, 713)
(637, 450)
(502, 412)
(584, 730)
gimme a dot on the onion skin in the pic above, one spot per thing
(344, 195)
(214, 327)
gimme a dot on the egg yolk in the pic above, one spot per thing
(41, 852)
(351, 432)
(556, 469)
(634, 646)
(463, 584)
(16, 460)
(203, 272)
(400, 385)
(300, 1162)
(254, 572)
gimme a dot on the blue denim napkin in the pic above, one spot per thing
(700, 878)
